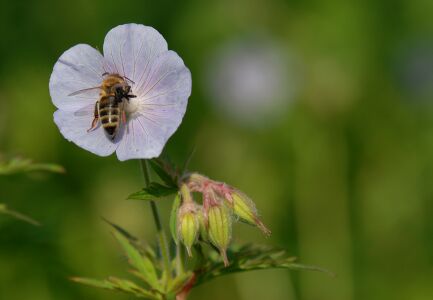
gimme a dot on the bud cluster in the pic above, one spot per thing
(212, 220)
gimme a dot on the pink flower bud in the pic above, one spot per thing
(188, 225)
(245, 209)
(219, 229)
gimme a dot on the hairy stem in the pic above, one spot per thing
(162, 239)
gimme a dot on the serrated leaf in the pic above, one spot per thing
(143, 249)
(173, 217)
(130, 287)
(162, 169)
(248, 258)
(117, 284)
(153, 192)
(143, 264)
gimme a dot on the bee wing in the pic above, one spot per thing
(85, 111)
(84, 91)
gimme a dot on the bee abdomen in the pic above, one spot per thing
(110, 130)
(109, 116)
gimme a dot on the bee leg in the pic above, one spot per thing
(96, 118)
(123, 117)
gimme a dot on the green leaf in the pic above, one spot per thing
(143, 248)
(103, 284)
(247, 258)
(164, 170)
(117, 284)
(143, 264)
(23, 165)
(4, 210)
(173, 217)
(153, 192)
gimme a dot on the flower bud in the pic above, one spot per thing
(188, 225)
(219, 228)
(203, 226)
(245, 209)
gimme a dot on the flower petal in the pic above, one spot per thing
(80, 67)
(74, 128)
(163, 102)
(131, 48)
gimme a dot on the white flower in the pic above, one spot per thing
(158, 78)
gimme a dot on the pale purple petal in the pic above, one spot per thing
(74, 128)
(131, 48)
(162, 104)
(78, 68)
(137, 141)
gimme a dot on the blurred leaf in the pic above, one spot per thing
(142, 263)
(104, 284)
(153, 191)
(250, 257)
(23, 165)
(116, 284)
(173, 217)
(144, 249)
(17, 215)
(165, 171)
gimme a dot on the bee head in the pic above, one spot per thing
(122, 91)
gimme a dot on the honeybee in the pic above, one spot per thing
(110, 108)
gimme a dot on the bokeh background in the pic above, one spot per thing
(321, 111)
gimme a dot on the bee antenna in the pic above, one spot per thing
(129, 79)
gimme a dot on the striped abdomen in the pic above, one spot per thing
(109, 115)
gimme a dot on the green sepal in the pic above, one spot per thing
(153, 192)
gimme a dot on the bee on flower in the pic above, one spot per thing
(130, 100)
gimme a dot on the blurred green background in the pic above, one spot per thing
(341, 168)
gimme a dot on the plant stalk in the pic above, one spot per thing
(162, 239)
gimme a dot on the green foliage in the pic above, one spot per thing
(24, 165)
(146, 267)
(143, 264)
(18, 165)
(153, 192)
(207, 265)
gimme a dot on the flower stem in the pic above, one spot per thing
(162, 239)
